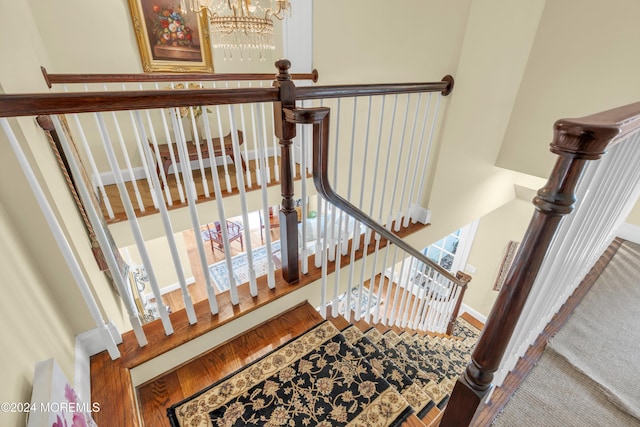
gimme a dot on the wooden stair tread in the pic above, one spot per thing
(472, 320)
(191, 377)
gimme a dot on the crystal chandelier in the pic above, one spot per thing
(241, 24)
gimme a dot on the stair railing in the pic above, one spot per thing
(558, 249)
(428, 304)
(248, 117)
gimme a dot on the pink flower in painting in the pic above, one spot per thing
(70, 393)
(60, 422)
(79, 420)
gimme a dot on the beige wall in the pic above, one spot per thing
(495, 230)
(42, 308)
(511, 84)
(634, 215)
(34, 325)
(161, 260)
(102, 39)
(363, 41)
(582, 62)
(494, 55)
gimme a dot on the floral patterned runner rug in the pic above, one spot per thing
(317, 379)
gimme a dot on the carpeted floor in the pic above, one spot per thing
(589, 373)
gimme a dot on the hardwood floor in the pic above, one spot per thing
(155, 396)
(113, 194)
(198, 290)
(116, 392)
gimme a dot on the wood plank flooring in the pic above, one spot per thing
(158, 394)
(198, 290)
(113, 195)
(155, 396)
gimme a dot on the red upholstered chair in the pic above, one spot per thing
(234, 232)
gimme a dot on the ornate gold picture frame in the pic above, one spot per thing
(170, 39)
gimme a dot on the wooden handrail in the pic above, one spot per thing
(319, 118)
(465, 279)
(283, 94)
(87, 102)
(445, 86)
(576, 141)
(52, 79)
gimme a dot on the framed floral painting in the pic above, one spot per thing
(171, 39)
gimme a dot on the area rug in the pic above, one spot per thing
(220, 275)
(317, 379)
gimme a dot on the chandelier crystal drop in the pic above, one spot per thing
(241, 24)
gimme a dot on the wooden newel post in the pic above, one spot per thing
(464, 279)
(575, 142)
(285, 132)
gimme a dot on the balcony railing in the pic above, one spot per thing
(121, 133)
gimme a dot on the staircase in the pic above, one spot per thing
(413, 373)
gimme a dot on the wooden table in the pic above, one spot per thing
(165, 154)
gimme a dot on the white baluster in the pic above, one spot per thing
(407, 165)
(96, 223)
(426, 161)
(396, 294)
(217, 191)
(246, 144)
(176, 172)
(92, 163)
(125, 154)
(264, 142)
(261, 156)
(253, 287)
(383, 197)
(276, 143)
(158, 161)
(397, 170)
(168, 229)
(62, 242)
(323, 281)
(375, 167)
(254, 114)
(147, 164)
(197, 138)
(227, 178)
(133, 223)
(416, 166)
(181, 142)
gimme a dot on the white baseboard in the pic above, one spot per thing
(464, 308)
(88, 344)
(170, 288)
(629, 232)
(108, 178)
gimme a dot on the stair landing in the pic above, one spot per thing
(173, 386)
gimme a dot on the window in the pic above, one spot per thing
(452, 251)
